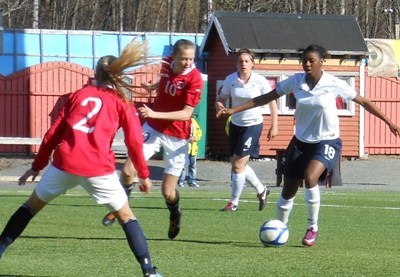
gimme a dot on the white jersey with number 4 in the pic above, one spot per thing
(241, 92)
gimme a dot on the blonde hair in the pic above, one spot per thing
(182, 44)
(110, 69)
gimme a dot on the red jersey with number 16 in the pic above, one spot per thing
(174, 92)
(83, 132)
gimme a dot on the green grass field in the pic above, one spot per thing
(358, 237)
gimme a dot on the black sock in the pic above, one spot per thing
(138, 244)
(16, 224)
(174, 207)
(128, 189)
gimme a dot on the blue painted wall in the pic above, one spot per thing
(24, 48)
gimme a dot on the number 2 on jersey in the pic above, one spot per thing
(80, 125)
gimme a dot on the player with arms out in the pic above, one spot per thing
(168, 124)
(81, 139)
(316, 144)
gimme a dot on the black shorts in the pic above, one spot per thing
(298, 154)
(244, 141)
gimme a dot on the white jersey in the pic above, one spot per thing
(240, 93)
(316, 113)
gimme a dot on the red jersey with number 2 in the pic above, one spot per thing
(174, 92)
(83, 132)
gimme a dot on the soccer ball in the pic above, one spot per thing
(273, 233)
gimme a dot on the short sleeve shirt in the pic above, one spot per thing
(316, 112)
(174, 92)
(83, 132)
(241, 92)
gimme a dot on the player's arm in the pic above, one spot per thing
(184, 114)
(50, 141)
(273, 131)
(134, 141)
(220, 103)
(252, 103)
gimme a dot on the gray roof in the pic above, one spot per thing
(277, 33)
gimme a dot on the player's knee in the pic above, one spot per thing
(124, 216)
(311, 179)
(169, 197)
(127, 176)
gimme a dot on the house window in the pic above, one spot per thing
(346, 107)
(287, 103)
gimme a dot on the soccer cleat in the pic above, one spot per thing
(181, 185)
(174, 224)
(310, 238)
(153, 273)
(109, 219)
(194, 185)
(262, 198)
(230, 207)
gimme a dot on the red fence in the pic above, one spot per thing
(31, 99)
(385, 93)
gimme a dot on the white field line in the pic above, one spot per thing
(322, 205)
(139, 196)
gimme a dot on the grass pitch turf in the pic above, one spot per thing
(358, 237)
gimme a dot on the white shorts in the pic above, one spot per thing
(105, 190)
(175, 149)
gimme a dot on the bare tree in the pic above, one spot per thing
(95, 5)
(356, 6)
(184, 15)
(204, 14)
(158, 17)
(171, 23)
(324, 6)
(376, 12)
(120, 15)
(135, 8)
(35, 14)
(342, 7)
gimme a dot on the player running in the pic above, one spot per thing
(316, 145)
(81, 138)
(168, 125)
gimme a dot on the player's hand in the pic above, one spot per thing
(30, 172)
(272, 133)
(145, 185)
(395, 129)
(145, 112)
(219, 106)
(224, 113)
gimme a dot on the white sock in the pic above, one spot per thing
(253, 179)
(284, 208)
(313, 202)
(238, 180)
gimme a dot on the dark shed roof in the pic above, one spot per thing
(277, 33)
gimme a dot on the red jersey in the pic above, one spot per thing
(83, 132)
(173, 93)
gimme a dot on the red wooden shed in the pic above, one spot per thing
(276, 40)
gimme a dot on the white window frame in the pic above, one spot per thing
(349, 77)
